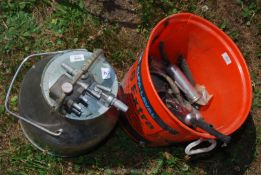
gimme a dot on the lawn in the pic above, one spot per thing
(121, 29)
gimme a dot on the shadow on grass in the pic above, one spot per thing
(114, 13)
(119, 152)
(233, 159)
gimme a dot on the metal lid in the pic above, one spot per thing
(102, 73)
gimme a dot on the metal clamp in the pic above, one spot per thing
(189, 147)
(58, 132)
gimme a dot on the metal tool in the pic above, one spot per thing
(194, 118)
(184, 112)
(181, 80)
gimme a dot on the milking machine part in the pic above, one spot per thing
(67, 101)
(57, 132)
(66, 83)
(189, 117)
(80, 84)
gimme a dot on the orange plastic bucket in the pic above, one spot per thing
(215, 62)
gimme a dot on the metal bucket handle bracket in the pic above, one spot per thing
(189, 148)
(58, 132)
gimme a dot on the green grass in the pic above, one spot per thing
(26, 159)
(114, 156)
(249, 10)
(257, 97)
(37, 26)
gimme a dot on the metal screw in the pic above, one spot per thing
(67, 87)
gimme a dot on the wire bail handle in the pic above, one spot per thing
(59, 131)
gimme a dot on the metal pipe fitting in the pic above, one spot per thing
(183, 83)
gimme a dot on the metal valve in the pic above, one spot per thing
(74, 91)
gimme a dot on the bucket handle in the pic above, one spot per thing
(53, 133)
(189, 148)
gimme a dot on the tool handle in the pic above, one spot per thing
(206, 127)
(163, 53)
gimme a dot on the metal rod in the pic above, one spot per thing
(68, 69)
(107, 89)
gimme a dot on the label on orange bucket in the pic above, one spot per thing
(147, 104)
(136, 112)
(141, 115)
(226, 58)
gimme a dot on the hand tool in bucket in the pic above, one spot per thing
(214, 61)
(67, 101)
(190, 116)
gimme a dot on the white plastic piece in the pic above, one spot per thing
(106, 73)
(226, 58)
(189, 149)
(76, 58)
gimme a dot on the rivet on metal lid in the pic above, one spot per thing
(67, 87)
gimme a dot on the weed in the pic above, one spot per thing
(2, 109)
(18, 30)
(169, 163)
(258, 139)
(26, 159)
(234, 35)
(14, 100)
(258, 54)
(259, 28)
(117, 56)
(64, 16)
(13, 6)
(157, 168)
(249, 10)
(223, 25)
(153, 11)
(257, 97)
